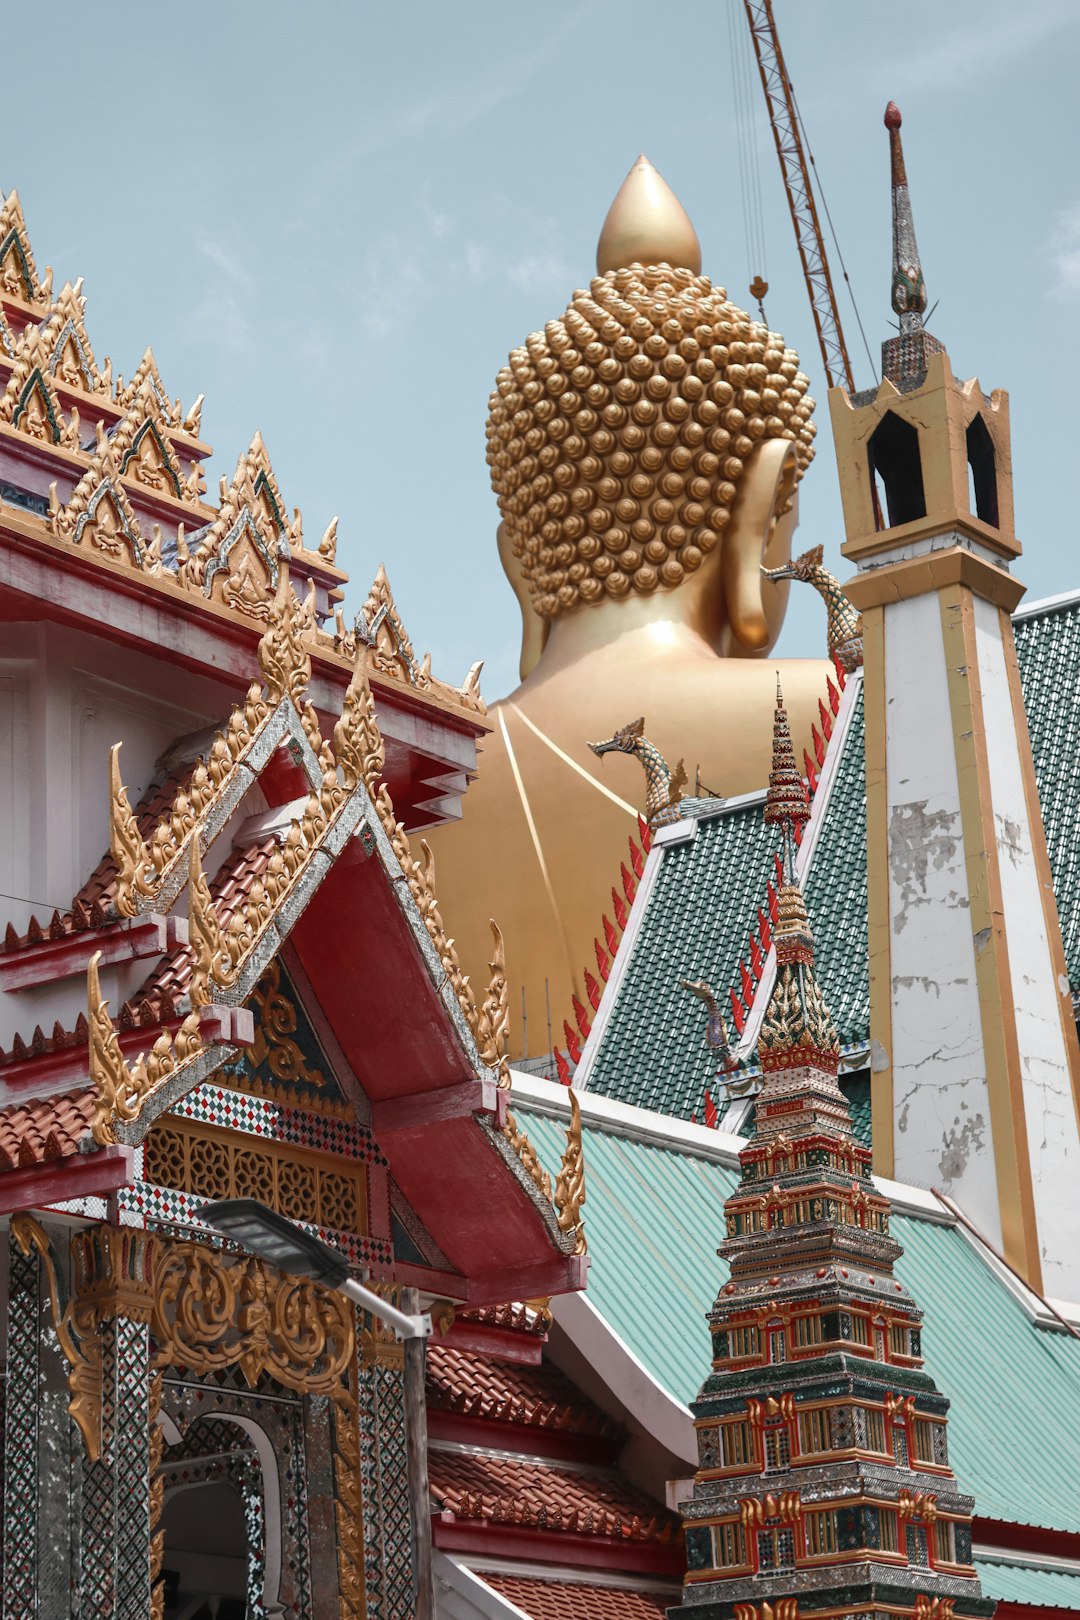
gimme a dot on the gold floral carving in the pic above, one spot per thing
(274, 1030)
(121, 1089)
(212, 1311)
(493, 1019)
(210, 957)
(570, 1182)
(358, 742)
(134, 867)
(18, 275)
(787, 1507)
(379, 1345)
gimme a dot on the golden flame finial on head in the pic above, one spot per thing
(647, 224)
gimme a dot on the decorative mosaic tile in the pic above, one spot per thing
(212, 1104)
(168, 1209)
(21, 1408)
(384, 1488)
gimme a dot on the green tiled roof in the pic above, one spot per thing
(654, 1216)
(696, 927)
(697, 923)
(1019, 1583)
(653, 1051)
(1048, 652)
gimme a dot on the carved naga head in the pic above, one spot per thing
(799, 568)
(625, 739)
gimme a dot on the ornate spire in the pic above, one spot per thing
(823, 1484)
(797, 1029)
(905, 356)
(647, 224)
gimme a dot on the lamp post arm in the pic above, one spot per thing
(406, 1327)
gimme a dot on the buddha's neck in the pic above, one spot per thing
(660, 617)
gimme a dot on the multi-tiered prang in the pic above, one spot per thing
(823, 1485)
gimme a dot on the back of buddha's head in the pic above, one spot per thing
(617, 436)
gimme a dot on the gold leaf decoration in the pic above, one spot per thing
(570, 1182)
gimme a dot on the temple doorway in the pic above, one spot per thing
(205, 1564)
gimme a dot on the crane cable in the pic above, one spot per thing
(832, 227)
(745, 104)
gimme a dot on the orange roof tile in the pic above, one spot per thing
(566, 1600)
(537, 1496)
(480, 1386)
(44, 1128)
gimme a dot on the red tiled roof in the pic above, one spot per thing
(565, 1600)
(503, 1490)
(233, 882)
(508, 1392)
(44, 1128)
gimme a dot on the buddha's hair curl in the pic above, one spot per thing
(617, 436)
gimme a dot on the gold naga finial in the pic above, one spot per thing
(493, 1018)
(127, 846)
(647, 224)
(663, 786)
(845, 627)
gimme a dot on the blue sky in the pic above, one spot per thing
(335, 220)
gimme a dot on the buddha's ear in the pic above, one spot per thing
(762, 523)
(534, 629)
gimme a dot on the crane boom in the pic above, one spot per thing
(800, 194)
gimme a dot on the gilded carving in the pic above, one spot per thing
(134, 867)
(275, 1027)
(347, 1505)
(121, 1089)
(210, 957)
(493, 1019)
(212, 1310)
(358, 743)
(570, 1182)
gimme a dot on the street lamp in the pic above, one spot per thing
(299, 1253)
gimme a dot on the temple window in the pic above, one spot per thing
(777, 1446)
(807, 1330)
(744, 1341)
(860, 1329)
(777, 1343)
(869, 1426)
(898, 1339)
(982, 474)
(820, 1533)
(929, 1441)
(915, 1544)
(895, 460)
(888, 1531)
(775, 1548)
(944, 1546)
(736, 1445)
(730, 1543)
(813, 1432)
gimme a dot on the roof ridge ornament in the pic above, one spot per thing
(663, 786)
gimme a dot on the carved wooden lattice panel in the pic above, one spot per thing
(212, 1163)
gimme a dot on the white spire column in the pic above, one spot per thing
(974, 1042)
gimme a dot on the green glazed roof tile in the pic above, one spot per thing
(654, 1217)
(1019, 1583)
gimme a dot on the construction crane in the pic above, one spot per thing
(784, 120)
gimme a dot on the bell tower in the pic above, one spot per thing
(974, 1047)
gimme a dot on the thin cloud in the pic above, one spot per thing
(225, 261)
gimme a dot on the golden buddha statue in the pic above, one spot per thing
(646, 450)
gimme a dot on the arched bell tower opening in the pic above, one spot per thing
(982, 472)
(895, 460)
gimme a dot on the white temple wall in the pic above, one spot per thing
(941, 1114)
(1049, 1110)
(65, 698)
